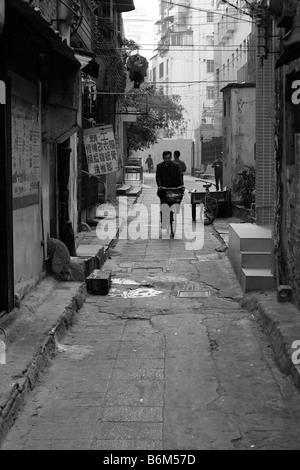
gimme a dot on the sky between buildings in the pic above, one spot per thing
(139, 25)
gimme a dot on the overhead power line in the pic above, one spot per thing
(205, 10)
(236, 8)
(206, 80)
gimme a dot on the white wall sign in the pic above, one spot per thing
(101, 150)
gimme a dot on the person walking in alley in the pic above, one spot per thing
(180, 162)
(149, 162)
(218, 167)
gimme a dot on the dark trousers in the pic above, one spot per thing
(219, 182)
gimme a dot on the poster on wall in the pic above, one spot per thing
(25, 157)
(101, 150)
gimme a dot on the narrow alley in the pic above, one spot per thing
(168, 360)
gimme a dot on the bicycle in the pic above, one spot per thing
(172, 197)
(210, 204)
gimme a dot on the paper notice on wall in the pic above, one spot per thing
(101, 150)
(25, 157)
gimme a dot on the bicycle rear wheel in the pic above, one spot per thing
(210, 210)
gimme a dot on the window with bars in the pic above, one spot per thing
(210, 17)
(210, 92)
(161, 70)
(154, 74)
(176, 40)
(210, 66)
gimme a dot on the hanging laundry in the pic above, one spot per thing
(137, 66)
(89, 87)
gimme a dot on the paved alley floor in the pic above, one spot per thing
(167, 361)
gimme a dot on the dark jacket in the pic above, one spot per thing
(218, 167)
(182, 165)
(149, 161)
(169, 176)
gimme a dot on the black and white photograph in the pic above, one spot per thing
(150, 228)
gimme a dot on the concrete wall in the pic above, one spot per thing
(27, 165)
(32, 145)
(287, 226)
(28, 251)
(238, 130)
(183, 145)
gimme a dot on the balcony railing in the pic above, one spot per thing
(288, 12)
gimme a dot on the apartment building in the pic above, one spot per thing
(184, 60)
(234, 51)
(201, 49)
(234, 62)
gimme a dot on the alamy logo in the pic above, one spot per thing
(141, 222)
(296, 354)
(296, 94)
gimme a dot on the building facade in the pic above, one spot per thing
(98, 44)
(43, 111)
(233, 49)
(201, 49)
(41, 114)
(184, 62)
(287, 151)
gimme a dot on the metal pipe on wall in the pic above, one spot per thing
(63, 16)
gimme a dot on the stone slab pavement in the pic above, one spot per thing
(132, 375)
(30, 333)
(280, 321)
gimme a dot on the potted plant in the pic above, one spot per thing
(245, 185)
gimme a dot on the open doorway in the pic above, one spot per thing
(6, 232)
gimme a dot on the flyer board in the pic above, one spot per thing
(101, 150)
(26, 148)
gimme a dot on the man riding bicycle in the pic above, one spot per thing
(169, 175)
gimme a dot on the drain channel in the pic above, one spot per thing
(193, 293)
